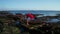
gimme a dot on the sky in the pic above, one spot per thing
(29, 4)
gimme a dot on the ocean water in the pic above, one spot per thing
(46, 13)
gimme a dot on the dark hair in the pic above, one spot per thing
(16, 18)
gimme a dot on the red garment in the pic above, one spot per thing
(30, 15)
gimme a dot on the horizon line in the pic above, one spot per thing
(33, 10)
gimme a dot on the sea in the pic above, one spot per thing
(45, 12)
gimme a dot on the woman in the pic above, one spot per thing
(18, 22)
